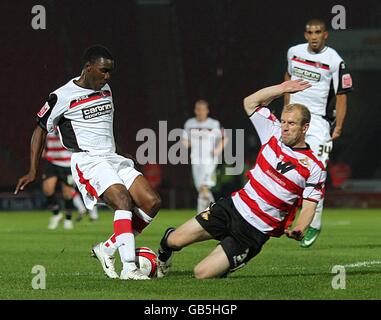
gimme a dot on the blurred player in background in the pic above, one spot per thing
(325, 70)
(83, 111)
(57, 170)
(205, 137)
(286, 175)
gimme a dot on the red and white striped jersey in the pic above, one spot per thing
(55, 152)
(281, 178)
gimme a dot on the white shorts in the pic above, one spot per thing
(318, 136)
(204, 175)
(93, 174)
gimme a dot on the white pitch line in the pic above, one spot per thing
(362, 264)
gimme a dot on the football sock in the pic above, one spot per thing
(78, 203)
(110, 245)
(140, 220)
(125, 240)
(93, 213)
(68, 209)
(165, 251)
(52, 204)
(316, 222)
(204, 199)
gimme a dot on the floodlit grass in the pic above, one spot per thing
(282, 270)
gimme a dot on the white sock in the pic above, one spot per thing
(125, 240)
(316, 222)
(77, 201)
(93, 213)
(204, 200)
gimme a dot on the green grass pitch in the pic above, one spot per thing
(283, 270)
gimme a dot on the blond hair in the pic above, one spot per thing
(304, 112)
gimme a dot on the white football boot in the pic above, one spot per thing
(68, 224)
(131, 272)
(54, 221)
(163, 266)
(164, 258)
(107, 261)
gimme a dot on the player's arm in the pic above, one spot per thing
(186, 143)
(304, 220)
(36, 147)
(221, 144)
(341, 111)
(185, 139)
(268, 94)
(287, 95)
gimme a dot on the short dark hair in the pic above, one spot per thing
(95, 52)
(316, 22)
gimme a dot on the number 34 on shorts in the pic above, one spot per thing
(324, 149)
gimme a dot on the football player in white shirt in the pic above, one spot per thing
(83, 111)
(326, 72)
(205, 138)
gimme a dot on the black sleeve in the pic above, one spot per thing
(345, 80)
(44, 113)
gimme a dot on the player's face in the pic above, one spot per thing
(99, 73)
(201, 111)
(293, 132)
(316, 37)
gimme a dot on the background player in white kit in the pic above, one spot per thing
(205, 137)
(325, 70)
(286, 175)
(83, 111)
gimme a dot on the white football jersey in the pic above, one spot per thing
(325, 71)
(84, 118)
(203, 136)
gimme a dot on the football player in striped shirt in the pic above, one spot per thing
(286, 176)
(330, 81)
(57, 171)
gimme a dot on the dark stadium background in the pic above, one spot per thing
(168, 54)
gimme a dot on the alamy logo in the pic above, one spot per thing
(96, 111)
(306, 74)
(284, 167)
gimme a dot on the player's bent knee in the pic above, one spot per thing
(202, 272)
(155, 203)
(118, 199)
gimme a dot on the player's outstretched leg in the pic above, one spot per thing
(165, 254)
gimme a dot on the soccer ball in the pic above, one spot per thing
(146, 261)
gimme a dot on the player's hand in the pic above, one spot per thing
(292, 86)
(294, 234)
(336, 133)
(24, 181)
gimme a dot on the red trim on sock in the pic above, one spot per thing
(138, 224)
(122, 226)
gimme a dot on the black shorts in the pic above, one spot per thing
(62, 173)
(240, 240)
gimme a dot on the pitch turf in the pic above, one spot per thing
(282, 270)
